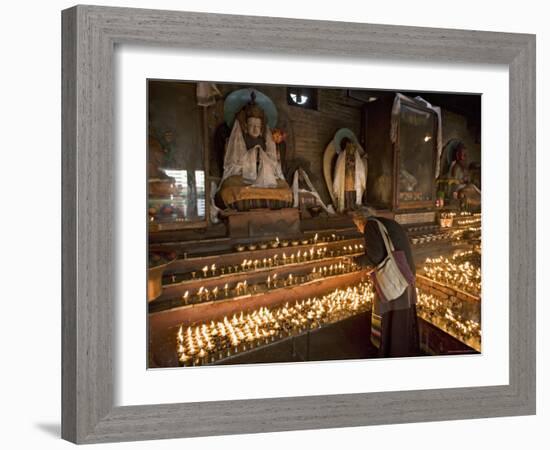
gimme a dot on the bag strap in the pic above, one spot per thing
(386, 237)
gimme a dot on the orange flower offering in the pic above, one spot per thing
(278, 135)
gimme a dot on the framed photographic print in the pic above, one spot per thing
(268, 235)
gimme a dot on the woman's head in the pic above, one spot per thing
(361, 216)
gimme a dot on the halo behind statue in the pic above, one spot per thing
(235, 101)
(341, 134)
(328, 162)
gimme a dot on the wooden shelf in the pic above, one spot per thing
(348, 338)
(168, 312)
(177, 289)
(233, 257)
(216, 309)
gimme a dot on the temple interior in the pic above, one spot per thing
(253, 253)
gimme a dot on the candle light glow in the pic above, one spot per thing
(247, 329)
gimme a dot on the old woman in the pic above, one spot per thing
(394, 324)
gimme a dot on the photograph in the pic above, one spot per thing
(291, 224)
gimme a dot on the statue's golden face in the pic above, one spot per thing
(350, 148)
(254, 126)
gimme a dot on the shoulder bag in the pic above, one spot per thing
(392, 276)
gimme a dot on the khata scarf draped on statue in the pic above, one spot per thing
(242, 161)
(340, 175)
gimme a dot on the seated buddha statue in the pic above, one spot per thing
(252, 174)
(460, 181)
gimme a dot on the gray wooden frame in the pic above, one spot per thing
(89, 36)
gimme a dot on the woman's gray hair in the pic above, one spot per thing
(363, 213)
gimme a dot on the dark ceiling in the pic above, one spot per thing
(468, 105)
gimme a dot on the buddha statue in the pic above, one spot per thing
(458, 169)
(252, 174)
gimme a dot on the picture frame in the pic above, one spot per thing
(90, 34)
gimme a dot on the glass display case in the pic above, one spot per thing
(416, 151)
(177, 188)
(401, 173)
